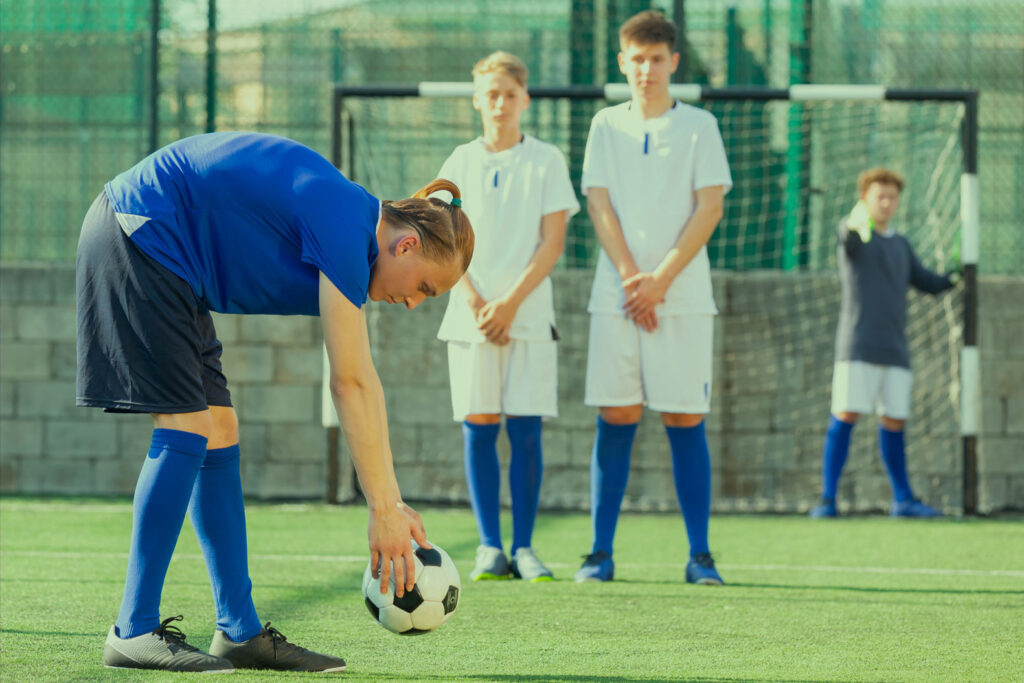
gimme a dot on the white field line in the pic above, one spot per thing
(920, 571)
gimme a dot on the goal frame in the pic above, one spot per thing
(343, 130)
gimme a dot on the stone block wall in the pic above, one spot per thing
(773, 355)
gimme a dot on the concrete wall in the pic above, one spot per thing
(773, 354)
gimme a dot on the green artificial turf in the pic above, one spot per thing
(860, 599)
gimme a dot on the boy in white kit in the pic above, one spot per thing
(500, 321)
(654, 174)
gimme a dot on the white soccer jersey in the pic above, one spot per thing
(505, 194)
(652, 169)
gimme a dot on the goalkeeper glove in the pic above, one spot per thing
(860, 221)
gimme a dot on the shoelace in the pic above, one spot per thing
(278, 637)
(704, 560)
(172, 635)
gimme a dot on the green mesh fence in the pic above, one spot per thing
(77, 93)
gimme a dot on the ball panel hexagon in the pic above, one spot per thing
(433, 583)
(428, 616)
(395, 619)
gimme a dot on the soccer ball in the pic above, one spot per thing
(430, 602)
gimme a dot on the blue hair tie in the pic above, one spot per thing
(456, 202)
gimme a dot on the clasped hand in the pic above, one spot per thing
(495, 318)
(643, 292)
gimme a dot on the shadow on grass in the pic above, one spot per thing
(25, 632)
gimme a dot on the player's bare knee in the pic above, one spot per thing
(892, 424)
(681, 419)
(622, 415)
(847, 417)
(483, 419)
(225, 427)
(200, 422)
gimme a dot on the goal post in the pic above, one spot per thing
(393, 138)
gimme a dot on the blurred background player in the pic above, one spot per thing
(654, 173)
(500, 320)
(872, 363)
(242, 223)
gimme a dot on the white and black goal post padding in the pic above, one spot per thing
(795, 154)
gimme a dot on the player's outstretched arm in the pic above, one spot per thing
(359, 399)
(928, 281)
(646, 290)
(496, 317)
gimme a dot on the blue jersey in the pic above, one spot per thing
(249, 221)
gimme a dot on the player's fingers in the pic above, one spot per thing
(375, 564)
(419, 533)
(410, 568)
(385, 572)
(399, 562)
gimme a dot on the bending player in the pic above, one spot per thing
(500, 321)
(872, 363)
(654, 173)
(242, 223)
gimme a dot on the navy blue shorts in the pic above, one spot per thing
(146, 344)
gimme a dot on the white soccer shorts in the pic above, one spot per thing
(520, 378)
(859, 387)
(669, 369)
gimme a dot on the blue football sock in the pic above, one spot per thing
(483, 476)
(218, 516)
(609, 474)
(833, 455)
(895, 459)
(525, 471)
(691, 469)
(158, 511)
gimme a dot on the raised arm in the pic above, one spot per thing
(496, 317)
(646, 290)
(359, 399)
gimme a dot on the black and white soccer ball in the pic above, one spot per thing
(430, 602)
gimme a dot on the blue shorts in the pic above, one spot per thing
(146, 344)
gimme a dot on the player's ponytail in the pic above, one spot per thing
(443, 227)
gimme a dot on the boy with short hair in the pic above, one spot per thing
(500, 320)
(654, 173)
(872, 364)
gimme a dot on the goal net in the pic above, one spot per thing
(794, 166)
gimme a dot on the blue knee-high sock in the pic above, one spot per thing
(218, 516)
(483, 476)
(158, 511)
(525, 471)
(895, 458)
(833, 455)
(691, 469)
(609, 474)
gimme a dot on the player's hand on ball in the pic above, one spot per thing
(389, 533)
(495, 320)
(643, 292)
